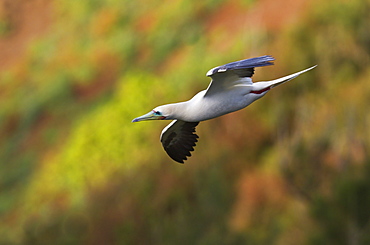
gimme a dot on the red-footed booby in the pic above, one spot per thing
(231, 89)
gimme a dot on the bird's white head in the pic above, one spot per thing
(163, 112)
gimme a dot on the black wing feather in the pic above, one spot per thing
(178, 139)
(243, 68)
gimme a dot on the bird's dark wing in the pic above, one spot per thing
(178, 139)
(236, 72)
(243, 68)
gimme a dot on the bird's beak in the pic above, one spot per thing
(148, 116)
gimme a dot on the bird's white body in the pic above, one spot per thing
(231, 89)
(201, 107)
(231, 93)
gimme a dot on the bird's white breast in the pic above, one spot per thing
(201, 108)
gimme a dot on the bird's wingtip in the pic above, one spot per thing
(264, 60)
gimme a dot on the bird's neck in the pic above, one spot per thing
(179, 110)
(188, 111)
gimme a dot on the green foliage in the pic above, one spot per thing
(345, 214)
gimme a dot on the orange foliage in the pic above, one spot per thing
(27, 20)
(103, 22)
(147, 22)
(258, 194)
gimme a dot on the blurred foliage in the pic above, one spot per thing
(293, 168)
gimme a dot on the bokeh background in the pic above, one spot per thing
(292, 168)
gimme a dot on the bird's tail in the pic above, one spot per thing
(271, 84)
(289, 77)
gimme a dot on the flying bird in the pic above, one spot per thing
(231, 89)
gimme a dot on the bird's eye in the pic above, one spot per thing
(157, 113)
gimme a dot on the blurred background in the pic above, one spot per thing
(292, 168)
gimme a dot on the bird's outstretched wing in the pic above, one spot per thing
(236, 72)
(178, 139)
